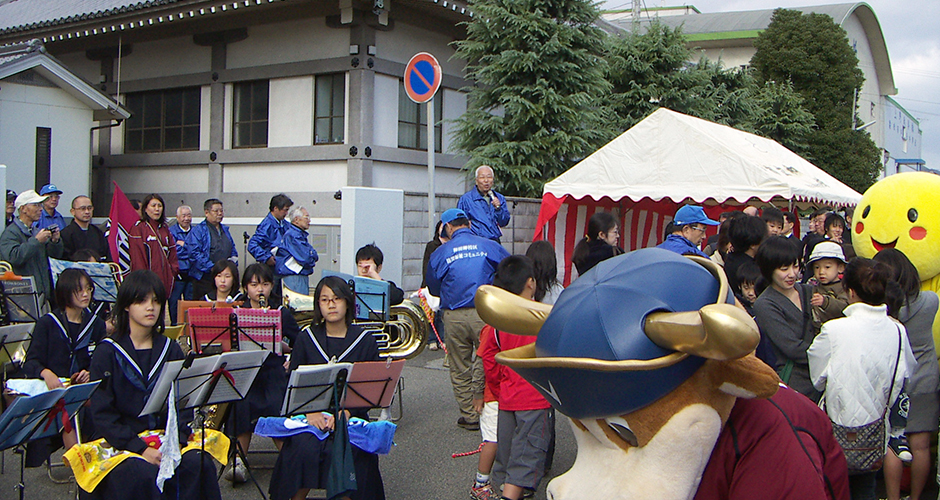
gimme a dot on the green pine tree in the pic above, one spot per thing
(812, 53)
(535, 108)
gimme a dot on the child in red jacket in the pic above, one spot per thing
(525, 419)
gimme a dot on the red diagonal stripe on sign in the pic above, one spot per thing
(421, 77)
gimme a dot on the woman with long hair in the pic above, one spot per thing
(59, 347)
(129, 363)
(151, 244)
(862, 360)
(547, 287)
(917, 313)
(227, 288)
(303, 462)
(599, 242)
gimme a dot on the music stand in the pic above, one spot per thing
(12, 338)
(106, 284)
(259, 329)
(215, 328)
(372, 384)
(35, 417)
(19, 301)
(372, 302)
(221, 378)
(310, 388)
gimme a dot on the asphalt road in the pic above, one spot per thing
(420, 465)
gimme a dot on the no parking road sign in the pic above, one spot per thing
(422, 77)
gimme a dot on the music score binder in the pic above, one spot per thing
(310, 388)
(221, 378)
(28, 418)
(372, 384)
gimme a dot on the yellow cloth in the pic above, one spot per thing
(91, 462)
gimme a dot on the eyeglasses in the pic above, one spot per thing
(699, 228)
(88, 289)
(86, 208)
(217, 211)
(332, 300)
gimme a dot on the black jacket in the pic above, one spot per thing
(75, 239)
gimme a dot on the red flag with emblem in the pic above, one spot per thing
(120, 221)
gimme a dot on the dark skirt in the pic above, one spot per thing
(135, 478)
(264, 399)
(304, 462)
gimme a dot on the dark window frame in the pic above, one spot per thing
(411, 134)
(163, 120)
(329, 110)
(258, 95)
(43, 170)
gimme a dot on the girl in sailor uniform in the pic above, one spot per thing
(304, 460)
(59, 348)
(225, 276)
(129, 363)
(266, 394)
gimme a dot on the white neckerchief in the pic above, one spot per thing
(345, 353)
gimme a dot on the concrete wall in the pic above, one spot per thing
(871, 104)
(23, 108)
(516, 236)
(288, 41)
(290, 112)
(171, 56)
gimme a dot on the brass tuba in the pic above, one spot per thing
(402, 336)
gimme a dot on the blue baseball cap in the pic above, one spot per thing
(452, 214)
(692, 214)
(49, 189)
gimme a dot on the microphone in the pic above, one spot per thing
(493, 199)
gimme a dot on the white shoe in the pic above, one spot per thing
(236, 473)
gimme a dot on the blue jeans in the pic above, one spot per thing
(182, 290)
(297, 283)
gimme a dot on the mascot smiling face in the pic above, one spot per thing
(902, 212)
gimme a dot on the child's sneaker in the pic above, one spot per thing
(485, 492)
(899, 447)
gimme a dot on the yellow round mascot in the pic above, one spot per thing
(901, 211)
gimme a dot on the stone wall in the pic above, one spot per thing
(516, 236)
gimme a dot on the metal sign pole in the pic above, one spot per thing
(431, 146)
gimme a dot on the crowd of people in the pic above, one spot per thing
(851, 334)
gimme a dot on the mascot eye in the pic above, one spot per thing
(912, 215)
(625, 433)
(866, 211)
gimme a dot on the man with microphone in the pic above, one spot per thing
(485, 207)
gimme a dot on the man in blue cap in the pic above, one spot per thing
(690, 223)
(455, 271)
(50, 216)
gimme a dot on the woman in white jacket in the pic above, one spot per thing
(853, 358)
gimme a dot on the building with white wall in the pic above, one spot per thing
(244, 99)
(48, 116)
(729, 37)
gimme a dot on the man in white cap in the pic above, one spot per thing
(28, 249)
(49, 216)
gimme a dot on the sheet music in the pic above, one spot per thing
(242, 366)
(310, 388)
(22, 421)
(259, 326)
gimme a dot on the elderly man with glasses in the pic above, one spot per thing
(82, 234)
(212, 242)
(691, 223)
(28, 249)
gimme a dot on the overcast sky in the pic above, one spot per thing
(912, 32)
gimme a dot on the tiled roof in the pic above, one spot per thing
(19, 15)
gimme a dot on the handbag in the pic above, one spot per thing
(864, 445)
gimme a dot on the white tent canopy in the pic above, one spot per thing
(674, 156)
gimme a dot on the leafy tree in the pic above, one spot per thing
(535, 108)
(812, 53)
(781, 117)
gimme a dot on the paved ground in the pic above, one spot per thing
(419, 467)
